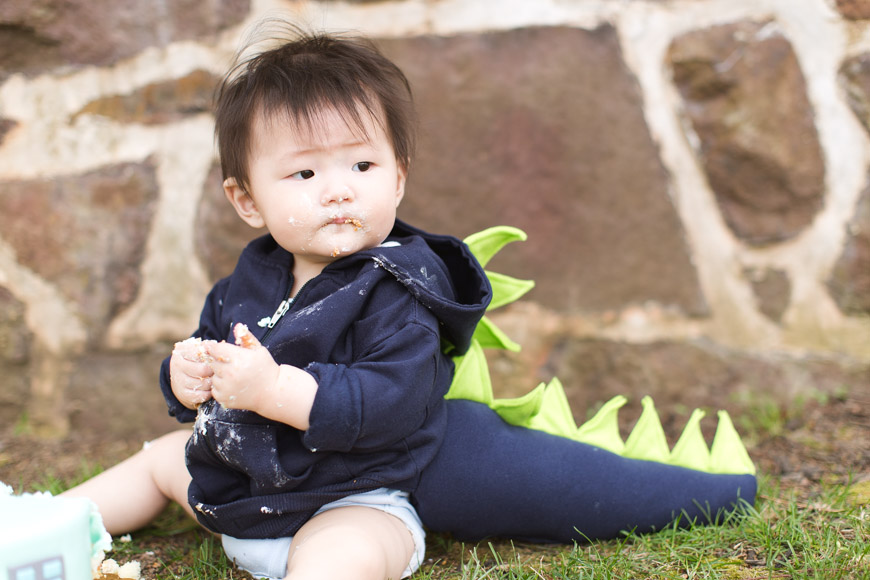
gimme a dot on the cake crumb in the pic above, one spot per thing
(110, 570)
(130, 570)
(244, 338)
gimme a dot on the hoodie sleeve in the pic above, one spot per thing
(386, 393)
(209, 323)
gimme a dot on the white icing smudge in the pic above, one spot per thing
(204, 415)
(204, 510)
(309, 310)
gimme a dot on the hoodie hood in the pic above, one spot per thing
(454, 288)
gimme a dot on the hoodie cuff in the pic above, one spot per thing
(176, 409)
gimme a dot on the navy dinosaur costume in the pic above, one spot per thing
(521, 468)
(395, 336)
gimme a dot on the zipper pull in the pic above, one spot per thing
(282, 310)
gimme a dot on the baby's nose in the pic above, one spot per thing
(338, 194)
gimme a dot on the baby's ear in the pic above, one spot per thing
(243, 203)
(402, 177)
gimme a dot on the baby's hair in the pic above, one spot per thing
(303, 76)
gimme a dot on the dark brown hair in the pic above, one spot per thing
(303, 77)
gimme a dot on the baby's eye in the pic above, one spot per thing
(304, 174)
(362, 166)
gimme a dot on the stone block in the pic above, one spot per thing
(6, 125)
(543, 129)
(15, 344)
(15, 336)
(849, 283)
(854, 77)
(119, 393)
(158, 103)
(85, 234)
(745, 96)
(854, 9)
(772, 289)
(220, 235)
(40, 35)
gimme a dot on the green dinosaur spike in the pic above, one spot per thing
(487, 243)
(647, 440)
(555, 415)
(491, 336)
(728, 455)
(471, 377)
(691, 450)
(602, 430)
(546, 407)
(506, 289)
(520, 410)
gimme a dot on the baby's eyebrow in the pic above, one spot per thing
(320, 148)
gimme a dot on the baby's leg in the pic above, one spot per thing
(132, 493)
(351, 542)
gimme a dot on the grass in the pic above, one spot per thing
(782, 537)
(764, 416)
(817, 530)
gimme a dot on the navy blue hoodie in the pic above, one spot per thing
(372, 329)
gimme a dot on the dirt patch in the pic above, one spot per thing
(27, 461)
(825, 443)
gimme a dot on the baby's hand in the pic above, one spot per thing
(190, 372)
(243, 372)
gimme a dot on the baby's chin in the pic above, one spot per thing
(343, 250)
(349, 240)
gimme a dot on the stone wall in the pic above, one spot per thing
(692, 174)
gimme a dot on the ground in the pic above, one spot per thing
(821, 441)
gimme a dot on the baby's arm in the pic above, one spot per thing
(190, 372)
(247, 377)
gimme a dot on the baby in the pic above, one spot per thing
(318, 373)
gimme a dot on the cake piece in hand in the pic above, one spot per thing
(244, 338)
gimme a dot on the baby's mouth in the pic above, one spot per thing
(340, 220)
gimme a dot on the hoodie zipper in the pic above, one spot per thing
(281, 311)
(283, 308)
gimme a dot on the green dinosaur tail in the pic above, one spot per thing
(546, 407)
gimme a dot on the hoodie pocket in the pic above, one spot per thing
(253, 450)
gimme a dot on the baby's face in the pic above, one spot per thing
(327, 192)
